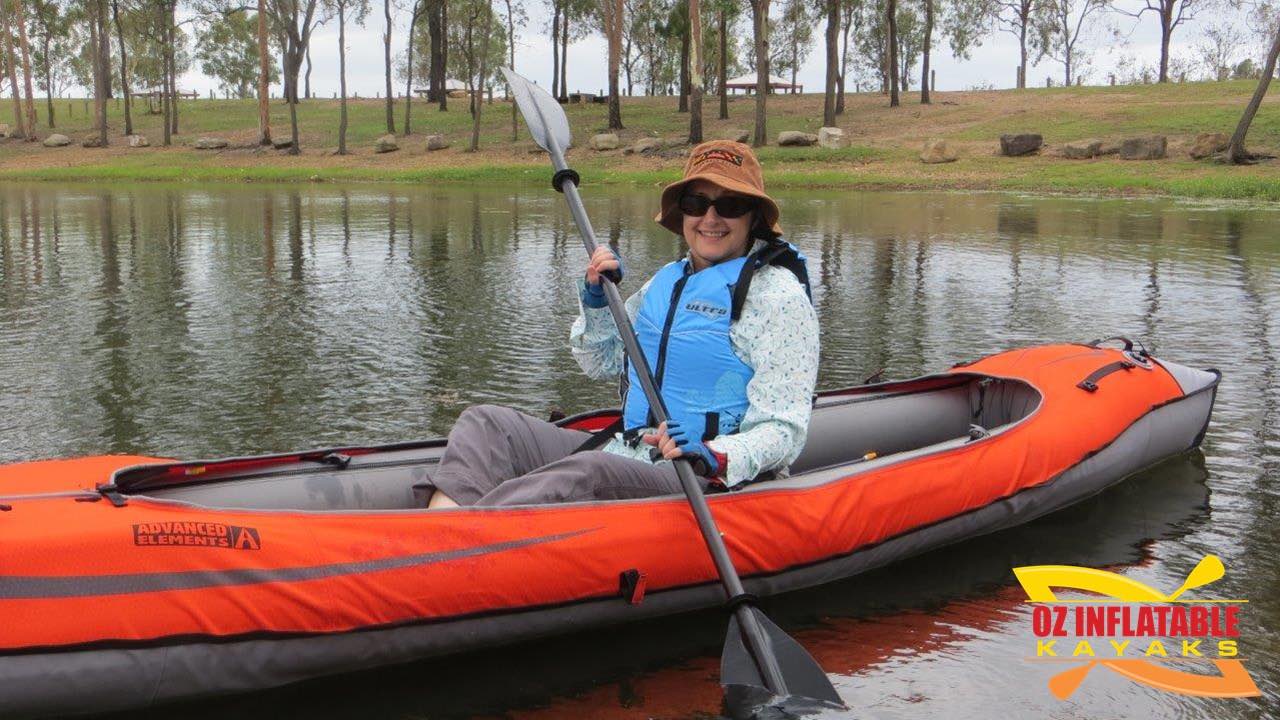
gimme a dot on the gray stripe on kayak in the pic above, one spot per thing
(17, 587)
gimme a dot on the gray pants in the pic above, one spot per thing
(499, 456)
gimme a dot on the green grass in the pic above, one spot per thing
(884, 153)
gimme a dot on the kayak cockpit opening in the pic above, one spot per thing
(887, 421)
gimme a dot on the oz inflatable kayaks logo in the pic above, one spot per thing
(1139, 634)
(196, 534)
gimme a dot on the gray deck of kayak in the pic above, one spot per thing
(842, 430)
(118, 679)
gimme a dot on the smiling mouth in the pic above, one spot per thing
(714, 235)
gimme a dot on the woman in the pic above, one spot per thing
(728, 332)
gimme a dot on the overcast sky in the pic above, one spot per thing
(992, 64)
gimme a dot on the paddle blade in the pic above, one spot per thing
(741, 676)
(1210, 569)
(542, 114)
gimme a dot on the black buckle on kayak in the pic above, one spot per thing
(336, 459)
(631, 584)
(1090, 384)
(557, 180)
(745, 598)
(112, 493)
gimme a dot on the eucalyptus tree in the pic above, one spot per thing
(696, 81)
(296, 19)
(51, 34)
(437, 36)
(760, 34)
(1219, 43)
(1024, 19)
(264, 77)
(832, 37)
(481, 45)
(344, 10)
(227, 50)
(1171, 14)
(515, 13)
(124, 67)
(612, 20)
(20, 24)
(794, 35)
(1068, 21)
(891, 42)
(11, 67)
(1235, 149)
(415, 15)
(386, 55)
(727, 12)
(850, 17)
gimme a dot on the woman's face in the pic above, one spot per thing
(712, 238)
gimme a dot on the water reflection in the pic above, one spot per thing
(207, 322)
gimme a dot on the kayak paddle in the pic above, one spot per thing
(759, 660)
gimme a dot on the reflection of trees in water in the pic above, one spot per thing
(1265, 501)
(115, 392)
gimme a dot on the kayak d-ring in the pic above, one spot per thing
(1140, 357)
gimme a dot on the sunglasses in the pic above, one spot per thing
(727, 206)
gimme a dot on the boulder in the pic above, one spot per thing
(386, 144)
(93, 141)
(605, 141)
(1082, 149)
(282, 143)
(795, 138)
(5, 130)
(937, 151)
(138, 141)
(57, 140)
(644, 146)
(736, 135)
(210, 143)
(1209, 144)
(436, 142)
(1109, 147)
(832, 138)
(1147, 147)
(1020, 144)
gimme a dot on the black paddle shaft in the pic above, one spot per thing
(751, 629)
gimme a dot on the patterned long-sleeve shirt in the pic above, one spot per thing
(776, 336)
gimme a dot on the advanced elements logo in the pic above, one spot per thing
(1139, 634)
(196, 534)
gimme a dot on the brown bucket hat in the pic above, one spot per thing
(732, 166)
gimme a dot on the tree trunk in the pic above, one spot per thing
(833, 57)
(696, 81)
(1166, 31)
(555, 51)
(102, 74)
(683, 105)
(434, 85)
(444, 56)
(795, 60)
(306, 77)
(342, 77)
(11, 65)
(1022, 53)
(476, 105)
(414, 15)
(166, 93)
(564, 53)
(614, 19)
(1235, 150)
(48, 81)
(124, 68)
(760, 12)
(511, 48)
(891, 17)
(724, 65)
(928, 46)
(386, 51)
(844, 64)
(264, 76)
(21, 23)
(173, 65)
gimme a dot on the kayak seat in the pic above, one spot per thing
(845, 428)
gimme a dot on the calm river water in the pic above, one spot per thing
(197, 322)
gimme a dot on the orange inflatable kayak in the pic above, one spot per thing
(128, 581)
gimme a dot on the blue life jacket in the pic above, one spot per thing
(683, 328)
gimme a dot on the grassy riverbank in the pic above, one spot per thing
(886, 143)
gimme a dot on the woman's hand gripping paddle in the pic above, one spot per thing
(760, 661)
